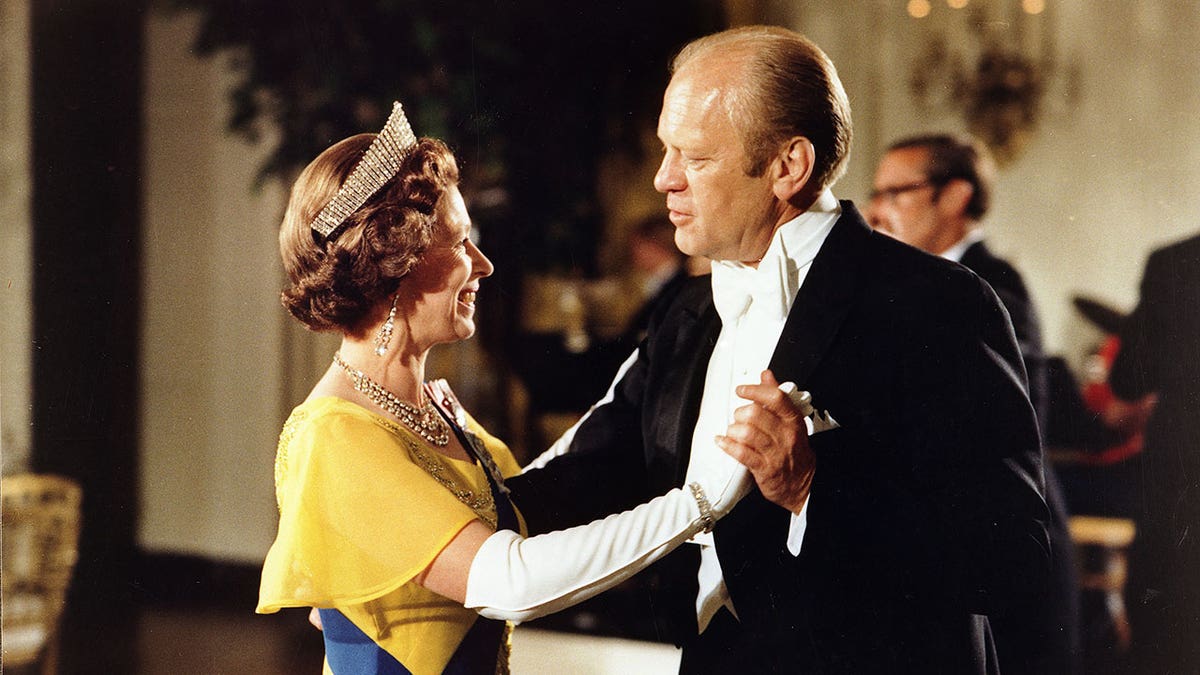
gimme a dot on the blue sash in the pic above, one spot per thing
(349, 650)
(481, 647)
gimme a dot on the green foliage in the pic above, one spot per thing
(529, 94)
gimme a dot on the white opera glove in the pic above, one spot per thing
(723, 487)
(518, 579)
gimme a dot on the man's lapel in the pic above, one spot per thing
(819, 310)
(823, 300)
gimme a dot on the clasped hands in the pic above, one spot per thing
(769, 437)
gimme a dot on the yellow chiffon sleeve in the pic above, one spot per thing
(358, 516)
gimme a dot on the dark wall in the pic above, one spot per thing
(86, 158)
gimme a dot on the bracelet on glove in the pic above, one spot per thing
(707, 520)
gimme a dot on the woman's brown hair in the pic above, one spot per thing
(335, 283)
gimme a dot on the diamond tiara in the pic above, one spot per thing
(378, 165)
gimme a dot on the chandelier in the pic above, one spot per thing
(993, 62)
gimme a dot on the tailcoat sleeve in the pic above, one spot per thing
(633, 444)
(978, 522)
(600, 470)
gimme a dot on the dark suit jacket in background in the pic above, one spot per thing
(1160, 352)
(926, 509)
(1043, 636)
(635, 328)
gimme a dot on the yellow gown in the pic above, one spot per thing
(364, 506)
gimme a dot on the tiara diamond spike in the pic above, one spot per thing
(378, 165)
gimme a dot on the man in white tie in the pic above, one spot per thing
(879, 542)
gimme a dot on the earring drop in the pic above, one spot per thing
(385, 331)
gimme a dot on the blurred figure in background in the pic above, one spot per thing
(660, 266)
(1160, 353)
(931, 192)
(1125, 420)
(1094, 437)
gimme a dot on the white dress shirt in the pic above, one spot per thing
(956, 251)
(753, 304)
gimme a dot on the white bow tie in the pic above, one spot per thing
(737, 288)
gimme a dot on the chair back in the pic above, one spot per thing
(40, 529)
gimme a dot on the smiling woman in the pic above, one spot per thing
(443, 289)
(394, 521)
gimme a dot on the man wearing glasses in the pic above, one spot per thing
(931, 192)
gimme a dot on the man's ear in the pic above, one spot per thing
(793, 168)
(955, 195)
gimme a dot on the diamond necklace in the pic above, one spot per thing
(424, 420)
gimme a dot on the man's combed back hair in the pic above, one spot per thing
(335, 284)
(790, 88)
(951, 157)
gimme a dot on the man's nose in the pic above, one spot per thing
(874, 214)
(670, 175)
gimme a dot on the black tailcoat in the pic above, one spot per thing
(926, 509)
(1041, 637)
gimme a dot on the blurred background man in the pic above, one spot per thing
(1160, 354)
(661, 269)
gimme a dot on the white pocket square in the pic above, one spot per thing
(816, 420)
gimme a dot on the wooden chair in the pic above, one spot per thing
(1106, 573)
(41, 520)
